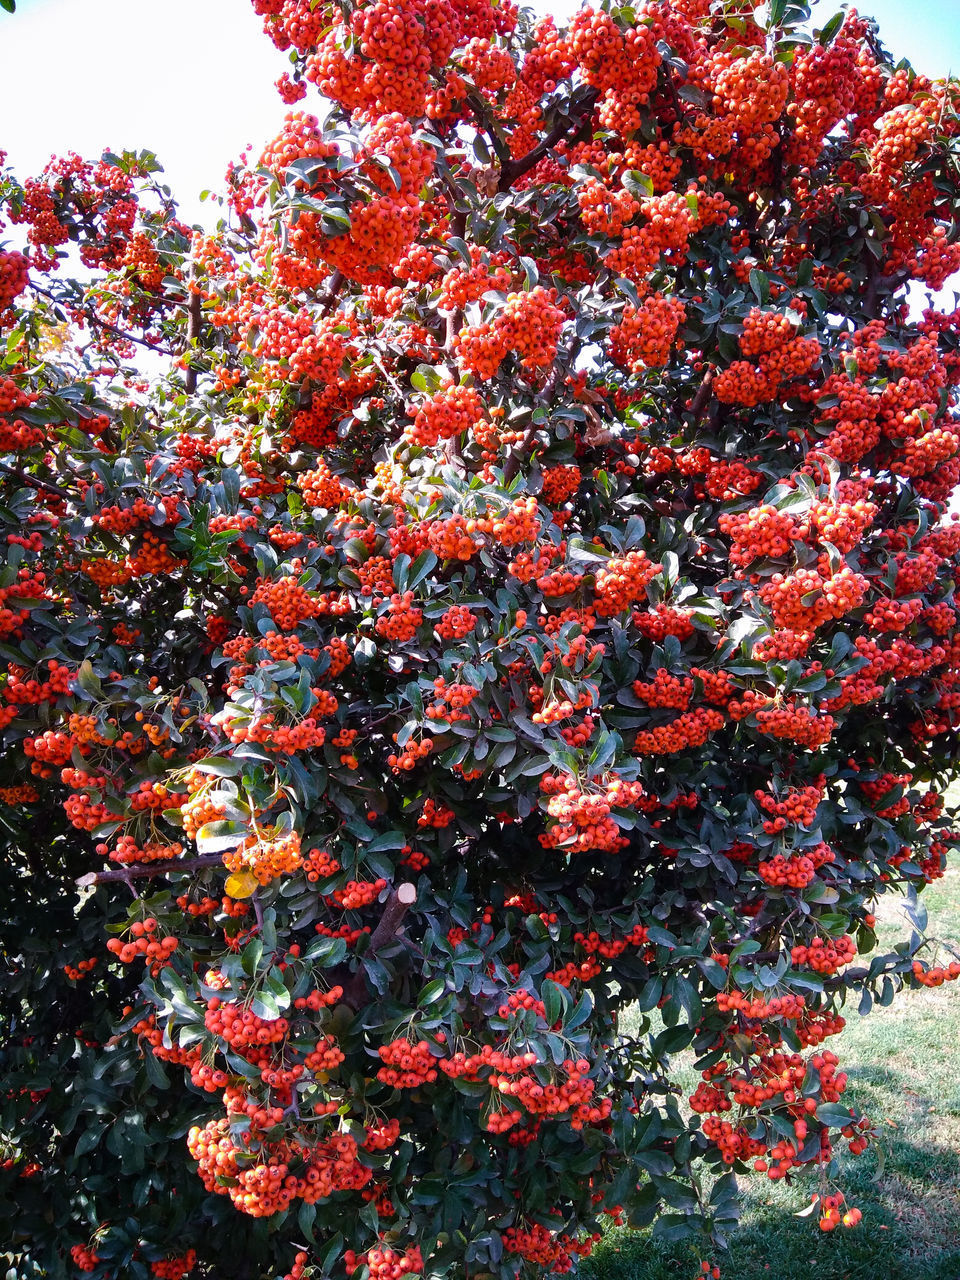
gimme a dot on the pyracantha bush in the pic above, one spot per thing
(514, 645)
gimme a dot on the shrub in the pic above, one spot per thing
(529, 597)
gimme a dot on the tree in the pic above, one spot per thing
(514, 643)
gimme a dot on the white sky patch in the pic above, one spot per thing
(193, 80)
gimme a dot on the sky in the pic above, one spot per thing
(192, 80)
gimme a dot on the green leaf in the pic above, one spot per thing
(760, 285)
(401, 567)
(552, 996)
(155, 1072)
(386, 841)
(638, 184)
(431, 993)
(714, 973)
(461, 248)
(672, 1040)
(219, 766)
(9, 5)
(673, 1227)
(831, 28)
(327, 952)
(536, 928)
(580, 1013)
(745, 948)
(480, 149)
(656, 1162)
(835, 1115)
(90, 1138)
(265, 1006)
(421, 568)
(87, 678)
(530, 271)
(330, 1255)
(252, 955)
(425, 378)
(650, 993)
(306, 1216)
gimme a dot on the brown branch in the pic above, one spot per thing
(193, 332)
(486, 125)
(450, 329)
(129, 337)
(560, 364)
(553, 381)
(398, 904)
(700, 401)
(333, 292)
(30, 482)
(458, 217)
(515, 169)
(678, 107)
(149, 869)
(877, 281)
(97, 323)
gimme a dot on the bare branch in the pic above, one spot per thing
(397, 905)
(333, 292)
(698, 404)
(193, 332)
(32, 483)
(514, 169)
(149, 869)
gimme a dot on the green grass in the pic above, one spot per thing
(904, 1069)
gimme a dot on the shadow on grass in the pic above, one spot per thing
(911, 1211)
(901, 1063)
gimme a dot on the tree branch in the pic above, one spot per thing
(96, 322)
(30, 482)
(397, 905)
(149, 869)
(193, 332)
(333, 292)
(560, 364)
(698, 404)
(515, 169)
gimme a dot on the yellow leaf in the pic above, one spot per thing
(241, 884)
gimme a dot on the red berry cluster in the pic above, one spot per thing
(825, 955)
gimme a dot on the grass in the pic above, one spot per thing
(904, 1068)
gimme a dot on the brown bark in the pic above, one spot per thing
(397, 905)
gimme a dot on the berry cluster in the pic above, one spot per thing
(825, 955)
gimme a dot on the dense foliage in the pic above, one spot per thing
(479, 622)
